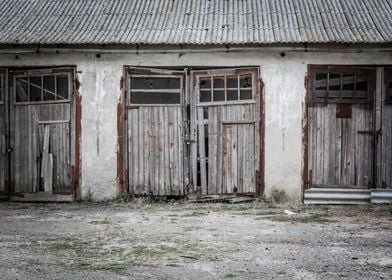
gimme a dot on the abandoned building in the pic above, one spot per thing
(171, 98)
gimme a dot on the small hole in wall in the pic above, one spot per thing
(282, 54)
(98, 55)
(16, 56)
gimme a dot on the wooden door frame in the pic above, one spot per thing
(306, 173)
(75, 122)
(4, 102)
(122, 116)
(259, 88)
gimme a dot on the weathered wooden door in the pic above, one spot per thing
(40, 130)
(155, 132)
(226, 109)
(3, 132)
(342, 136)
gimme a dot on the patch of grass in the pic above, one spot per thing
(230, 275)
(191, 228)
(279, 196)
(266, 213)
(111, 266)
(195, 214)
(105, 221)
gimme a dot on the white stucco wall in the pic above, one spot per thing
(284, 102)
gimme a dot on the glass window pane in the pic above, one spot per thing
(155, 83)
(35, 88)
(155, 98)
(49, 88)
(205, 83)
(219, 95)
(232, 81)
(219, 82)
(232, 94)
(246, 81)
(245, 94)
(62, 87)
(22, 90)
(334, 81)
(205, 96)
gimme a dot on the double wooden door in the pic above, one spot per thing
(192, 131)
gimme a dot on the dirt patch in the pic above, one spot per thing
(194, 241)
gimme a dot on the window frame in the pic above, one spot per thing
(369, 72)
(226, 73)
(180, 90)
(41, 73)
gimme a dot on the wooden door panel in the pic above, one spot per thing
(238, 158)
(3, 132)
(227, 148)
(3, 147)
(341, 148)
(155, 150)
(28, 124)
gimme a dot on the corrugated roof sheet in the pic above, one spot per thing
(194, 21)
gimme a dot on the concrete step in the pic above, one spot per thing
(336, 196)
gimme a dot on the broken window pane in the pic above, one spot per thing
(205, 83)
(140, 97)
(205, 96)
(155, 83)
(219, 95)
(246, 82)
(35, 84)
(22, 93)
(62, 87)
(49, 88)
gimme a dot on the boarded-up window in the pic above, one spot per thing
(42, 88)
(338, 84)
(225, 88)
(155, 89)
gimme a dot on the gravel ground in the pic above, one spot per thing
(194, 241)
